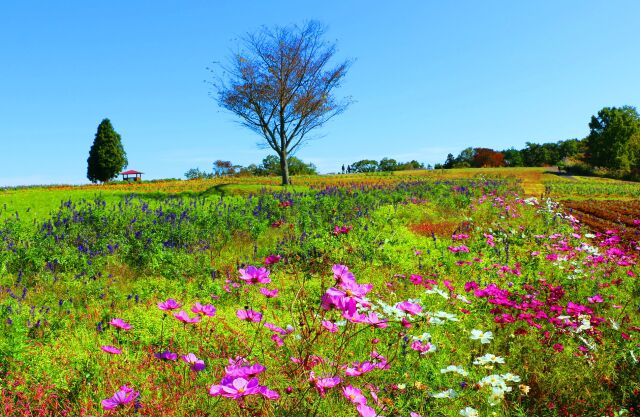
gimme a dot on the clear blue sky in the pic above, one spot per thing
(430, 77)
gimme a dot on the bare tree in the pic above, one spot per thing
(281, 85)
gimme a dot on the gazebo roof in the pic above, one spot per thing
(131, 172)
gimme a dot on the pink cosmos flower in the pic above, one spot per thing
(456, 249)
(253, 275)
(205, 310)
(380, 361)
(169, 305)
(595, 299)
(111, 349)
(412, 414)
(337, 230)
(120, 324)
(449, 286)
(184, 317)
(342, 273)
(235, 388)
(422, 347)
(359, 368)
(409, 308)
(268, 394)
(373, 319)
(166, 356)
(269, 293)
(460, 236)
(196, 364)
(277, 339)
(275, 328)
(470, 286)
(249, 315)
(331, 327)
(489, 239)
(354, 395)
(322, 384)
(272, 259)
(236, 370)
(366, 411)
(124, 396)
(558, 347)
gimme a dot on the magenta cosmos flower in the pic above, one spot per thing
(359, 368)
(342, 273)
(184, 317)
(272, 259)
(235, 388)
(169, 305)
(331, 327)
(366, 411)
(409, 307)
(275, 328)
(268, 293)
(166, 356)
(196, 364)
(111, 349)
(249, 315)
(253, 275)
(205, 310)
(120, 324)
(354, 395)
(247, 372)
(322, 384)
(124, 396)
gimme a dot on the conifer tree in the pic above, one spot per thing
(107, 156)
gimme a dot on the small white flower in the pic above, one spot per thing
(488, 358)
(509, 377)
(469, 412)
(438, 291)
(425, 337)
(452, 368)
(446, 316)
(445, 394)
(484, 337)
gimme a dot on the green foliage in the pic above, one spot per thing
(614, 140)
(196, 174)
(271, 166)
(365, 165)
(388, 164)
(106, 156)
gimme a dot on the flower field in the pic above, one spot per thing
(397, 295)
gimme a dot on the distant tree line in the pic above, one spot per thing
(270, 166)
(385, 165)
(612, 148)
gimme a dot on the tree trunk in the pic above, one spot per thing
(284, 168)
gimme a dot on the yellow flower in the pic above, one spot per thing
(524, 389)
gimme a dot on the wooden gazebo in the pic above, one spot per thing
(131, 175)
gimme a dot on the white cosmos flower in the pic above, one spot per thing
(445, 394)
(438, 291)
(488, 358)
(483, 337)
(446, 316)
(452, 368)
(509, 377)
(469, 412)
